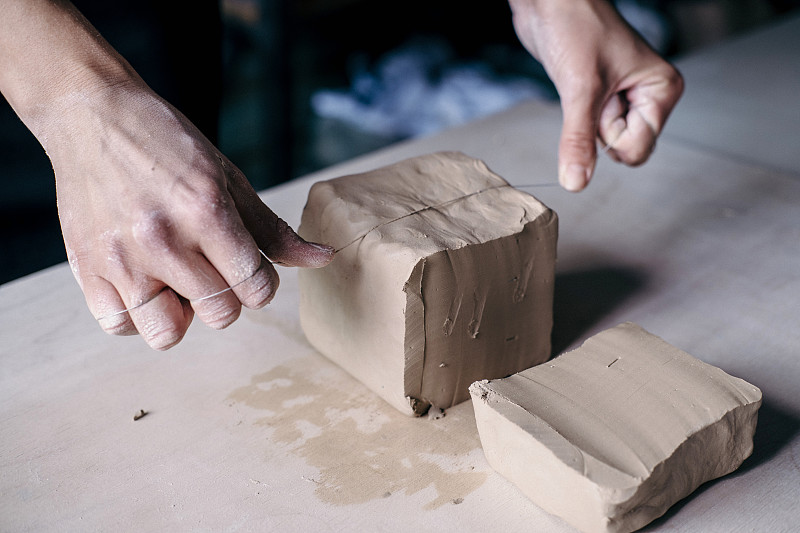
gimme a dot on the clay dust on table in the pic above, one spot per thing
(363, 448)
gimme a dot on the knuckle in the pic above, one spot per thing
(162, 334)
(161, 322)
(578, 141)
(118, 265)
(676, 81)
(242, 265)
(210, 206)
(259, 290)
(578, 147)
(282, 228)
(670, 88)
(218, 313)
(203, 201)
(120, 326)
(282, 240)
(637, 154)
(152, 229)
(287, 234)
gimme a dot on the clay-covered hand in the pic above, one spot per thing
(158, 224)
(157, 221)
(613, 87)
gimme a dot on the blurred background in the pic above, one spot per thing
(288, 87)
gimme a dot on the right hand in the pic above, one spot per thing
(613, 86)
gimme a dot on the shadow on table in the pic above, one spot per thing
(584, 297)
(776, 428)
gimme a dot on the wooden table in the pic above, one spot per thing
(250, 429)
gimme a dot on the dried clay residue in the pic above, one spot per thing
(363, 448)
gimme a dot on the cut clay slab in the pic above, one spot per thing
(443, 275)
(610, 435)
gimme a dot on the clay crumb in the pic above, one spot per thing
(418, 407)
(458, 501)
(434, 413)
(480, 388)
(141, 414)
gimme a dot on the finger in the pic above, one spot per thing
(234, 254)
(125, 301)
(637, 141)
(257, 290)
(173, 255)
(272, 235)
(192, 275)
(655, 99)
(107, 307)
(163, 320)
(282, 245)
(612, 124)
(577, 152)
(628, 137)
(648, 106)
(224, 268)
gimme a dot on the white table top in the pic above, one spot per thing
(741, 97)
(250, 429)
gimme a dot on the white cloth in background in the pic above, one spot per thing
(420, 88)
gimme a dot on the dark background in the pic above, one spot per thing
(244, 72)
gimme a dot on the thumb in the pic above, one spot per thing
(577, 152)
(272, 235)
(282, 245)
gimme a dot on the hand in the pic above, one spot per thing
(158, 224)
(157, 221)
(613, 86)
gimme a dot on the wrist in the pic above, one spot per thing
(73, 86)
(59, 112)
(50, 57)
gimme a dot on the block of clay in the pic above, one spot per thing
(443, 275)
(610, 435)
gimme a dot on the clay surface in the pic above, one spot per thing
(610, 435)
(443, 275)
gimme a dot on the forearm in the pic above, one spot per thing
(550, 29)
(51, 57)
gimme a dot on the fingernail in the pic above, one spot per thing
(574, 177)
